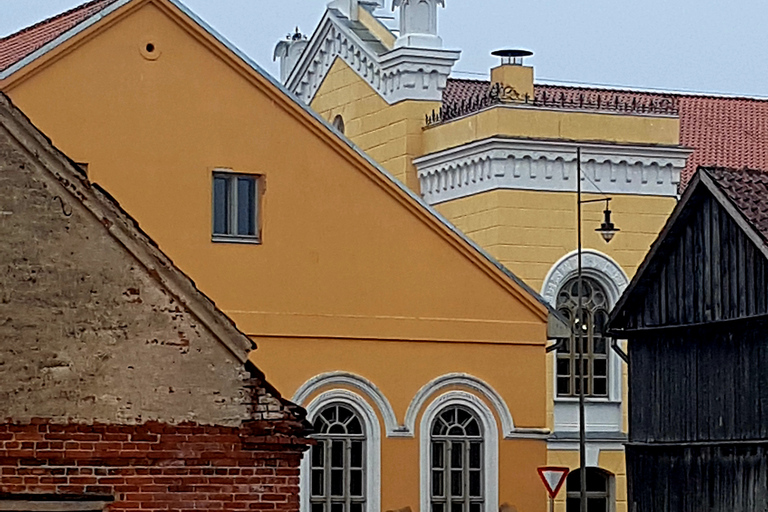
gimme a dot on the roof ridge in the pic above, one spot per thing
(55, 17)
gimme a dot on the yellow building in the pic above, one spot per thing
(497, 158)
(420, 359)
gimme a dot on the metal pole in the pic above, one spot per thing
(580, 341)
(551, 504)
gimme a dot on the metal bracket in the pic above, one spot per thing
(616, 348)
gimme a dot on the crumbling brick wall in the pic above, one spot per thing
(151, 466)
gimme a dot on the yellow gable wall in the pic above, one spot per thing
(390, 134)
(350, 276)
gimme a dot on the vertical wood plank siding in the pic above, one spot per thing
(698, 478)
(708, 271)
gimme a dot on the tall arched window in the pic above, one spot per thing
(595, 342)
(598, 491)
(456, 458)
(338, 461)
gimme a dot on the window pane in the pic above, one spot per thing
(246, 206)
(437, 507)
(356, 482)
(438, 484)
(356, 507)
(601, 387)
(457, 507)
(337, 507)
(597, 505)
(318, 507)
(600, 346)
(356, 457)
(601, 367)
(475, 507)
(318, 455)
(354, 426)
(572, 505)
(456, 455)
(473, 428)
(563, 366)
(438, 455)
(457, 483)
(474, 456)
(596, 481)
(564, 386)
(317, 482)
(337, 454)
(474, 484)
(220, 205)
(337, 482)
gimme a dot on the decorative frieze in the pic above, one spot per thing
(502, 163)
(397, 75)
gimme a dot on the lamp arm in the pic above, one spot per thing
(556, 345)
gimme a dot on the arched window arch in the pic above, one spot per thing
(338, 123)
(456, 466)
(331, 475)
(599, 491)
(459, 451)
(595, 343)
(338, 460)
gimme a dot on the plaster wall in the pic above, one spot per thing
(508, 372)
(87, 334)
(390, 134)
(529, 231)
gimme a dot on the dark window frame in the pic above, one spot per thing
(226, 210)
(596, 345)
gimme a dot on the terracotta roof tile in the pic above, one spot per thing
(723, 131)
(748, 190)
(15, 47)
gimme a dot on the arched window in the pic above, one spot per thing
(595, 342)
(338, 123)
(598, 491)
(456, 462)
(338, 461)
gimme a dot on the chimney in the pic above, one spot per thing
(418, 23)
(288, 51)
(512, 73)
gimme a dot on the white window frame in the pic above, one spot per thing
(490, 445)
(232, 177)
(372, 430)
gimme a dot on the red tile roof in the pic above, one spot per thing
(748, 190)
(15, 47)
(723, 131)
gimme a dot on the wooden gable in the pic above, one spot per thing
(708, 265)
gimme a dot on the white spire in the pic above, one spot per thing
(418, 23)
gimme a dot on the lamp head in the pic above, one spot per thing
(607, 230)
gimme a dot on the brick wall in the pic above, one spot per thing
(153, 466)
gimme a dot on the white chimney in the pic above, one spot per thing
(418, 23)
(288, 51)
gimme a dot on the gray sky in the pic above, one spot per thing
(697, 45)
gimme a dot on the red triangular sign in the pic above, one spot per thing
(553, 478)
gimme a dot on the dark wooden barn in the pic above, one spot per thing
(696, 320)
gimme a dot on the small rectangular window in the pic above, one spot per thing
(235, 207)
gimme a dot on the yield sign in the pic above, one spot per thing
(553, 478)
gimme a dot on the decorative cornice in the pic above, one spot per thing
(527, 164)
(396, 75)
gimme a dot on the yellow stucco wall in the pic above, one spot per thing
(351, 275)
(528, 231)
(390, 134)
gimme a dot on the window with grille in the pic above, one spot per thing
(456, 449)
(598, 491)
(595, 344)
(338, 461)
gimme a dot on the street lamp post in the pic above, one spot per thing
(607, 230)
